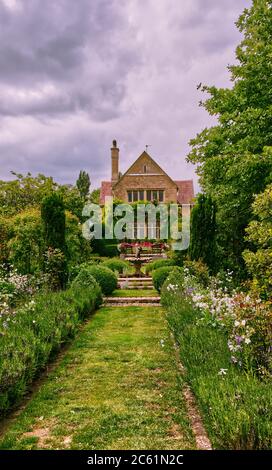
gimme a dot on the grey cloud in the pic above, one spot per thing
(76, 74)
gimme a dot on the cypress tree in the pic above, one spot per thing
(83, 184)
(53, 217)
(203, 232)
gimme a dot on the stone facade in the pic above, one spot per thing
(145, 180)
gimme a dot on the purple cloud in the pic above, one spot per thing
(75, 75)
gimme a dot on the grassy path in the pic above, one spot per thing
(117, 387)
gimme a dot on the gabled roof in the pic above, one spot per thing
(144, 154)
(185, 191)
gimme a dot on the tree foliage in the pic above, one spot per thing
(53, 217)
(259, 233)
(26, 241)
(234, 157)
(83, 184)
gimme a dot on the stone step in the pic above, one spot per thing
(138, 304)
(132, 300)
(135, 279)
(139, 287)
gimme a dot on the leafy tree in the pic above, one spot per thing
(72, 200)
(95, 196)
(23, 192)
(26, 241)
(28, 191)
(203, 227)
(83, 184)
(234, 157)
(259, 233)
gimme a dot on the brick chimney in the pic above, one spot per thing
(114, 162)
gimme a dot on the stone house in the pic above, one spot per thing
(145, 180)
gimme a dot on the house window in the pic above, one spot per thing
(141, 195)
(135, 196)
(148, 196)
(145, 169)
(154, 195)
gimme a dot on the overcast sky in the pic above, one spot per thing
(76, 74)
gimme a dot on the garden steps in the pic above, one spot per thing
(132, 301)
(145, 257)
(136, 283)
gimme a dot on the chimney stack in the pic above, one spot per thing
(114, 163)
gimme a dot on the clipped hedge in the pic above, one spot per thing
(236, 406)
(161, 274)
(105, 277)
(75, 269)
(85, 280)
(159, 263)
(116, 265)
(37, 332)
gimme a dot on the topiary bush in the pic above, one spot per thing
(85, 280)
(105, 277)
(161, 274)
(159, 263)
(116, 264)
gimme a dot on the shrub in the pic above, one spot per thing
(199, 270)
(105, 247)
(179, 256)
(236, 407)
(259, 233)
(55, 267)
(37, 331)
(224, 346)
(93, 260)
(116, 264)
(161, 274)
(85, 280)
(105, 277)
(160, 263)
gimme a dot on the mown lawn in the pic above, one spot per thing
(117, 387)
(135, 293)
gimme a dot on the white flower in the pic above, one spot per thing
(247, 341)
(222, 372)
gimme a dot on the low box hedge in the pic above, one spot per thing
(105, 277)
(159, 263)
(161, 274)
(29, 338)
